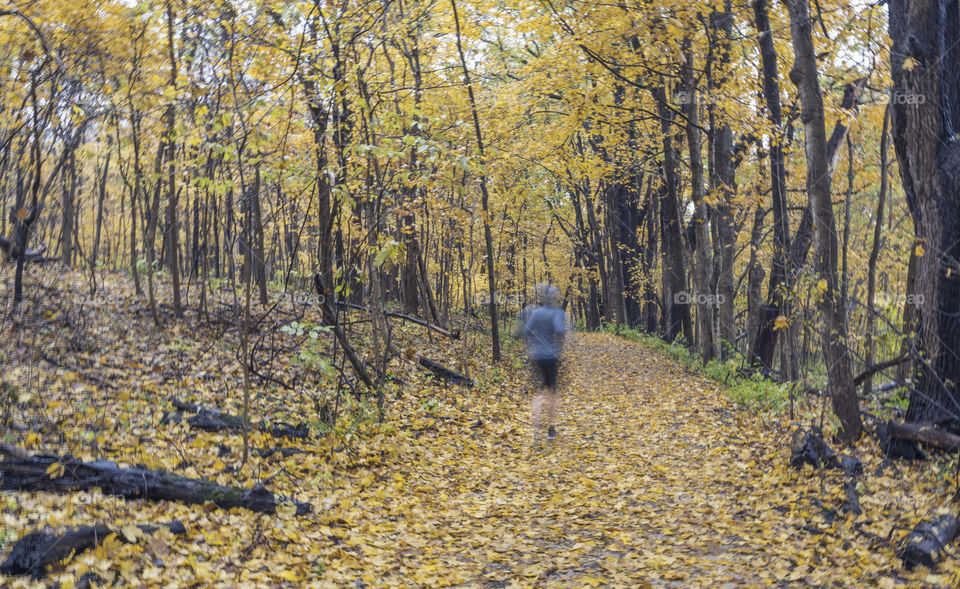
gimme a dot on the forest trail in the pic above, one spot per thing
(651, 479)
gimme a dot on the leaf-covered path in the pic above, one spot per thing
(648, 480)
(652, 479)
(656, 479)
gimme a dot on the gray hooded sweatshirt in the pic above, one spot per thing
(544, 332)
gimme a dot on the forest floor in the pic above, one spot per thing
(656, 478)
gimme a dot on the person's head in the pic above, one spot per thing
(547, 294)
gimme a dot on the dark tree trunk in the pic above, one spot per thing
(832, 307)
(173, 237)
(99, 223)
(484, 196)
(649, 261)
(869, 344)
(764, 344)
(755, 274)
(69, 198)
(703, 248)
(925, 124)
(723, 180)
(675, 298)
(259, 256)
(630, 218)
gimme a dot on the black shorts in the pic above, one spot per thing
(548, 372)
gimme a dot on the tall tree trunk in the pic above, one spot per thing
(101, 197)
(676, 299)
(832, 325)
(703, 248)
(173, 241)
(22, 217)
(925, 127)
(723, 181)
(755, 280)
(320, 117)
(484, 194)
(844, 257)
(99, 223)
(259, 257)
(134, 199)
(870, 344)
(765, 341)
(66, 231)
(649, 262)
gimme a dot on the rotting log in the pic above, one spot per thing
(926, 543)
(814, 451)
(896, 448)
(40, 473)
(445, 373)
(13, 451)
(879, 367)
(209, 419)
(36, 551)
(924, 433)
(852, 469)
(33, 256)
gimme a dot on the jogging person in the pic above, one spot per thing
(544, 332)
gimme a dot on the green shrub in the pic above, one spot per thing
(750, 391)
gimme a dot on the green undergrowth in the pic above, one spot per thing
(752, 391)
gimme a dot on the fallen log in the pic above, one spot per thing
(924, 433)
(814, 451)
(209, 419)
(13, 451)
(410, 318)
(880, 366)
(34, 256)
(852, 467)
(893, 447)
(445, 373)
(36, 551)
(67, 474)
(213, 420)
(926, 543)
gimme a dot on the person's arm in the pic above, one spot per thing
(526, 326)
(559, 327)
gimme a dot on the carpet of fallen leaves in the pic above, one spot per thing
(656, 479)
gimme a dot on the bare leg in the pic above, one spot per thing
(553, 400)
(536, 409)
